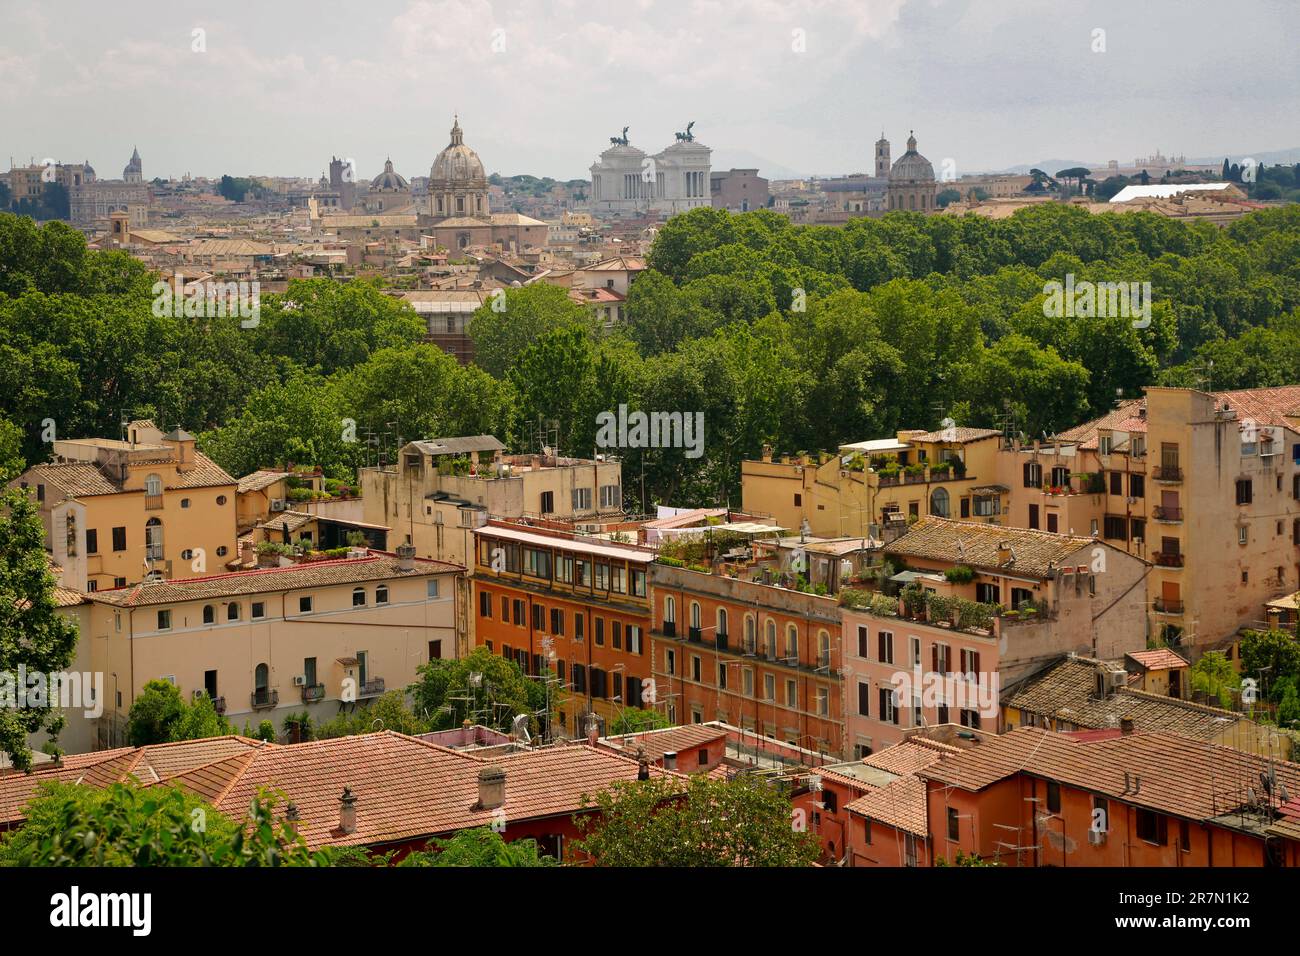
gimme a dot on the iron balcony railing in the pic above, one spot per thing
(265, 698)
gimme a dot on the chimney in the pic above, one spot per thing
(1126, 725)
(1004, 552)
(491, 788)
(767, 453)
(642, 764)
(670, 760)
(406, 557)
(247, 552)
(348, 811)
(593, 730)
(291, 813)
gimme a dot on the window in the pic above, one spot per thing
(232, 611)
(1116, 482)
(1243, 535)
(581, 499)
(616, 634)
(600, 633)
(579, 627)
(634, 639)
(670, 661)
(697, 669)
(638, 583)
(864, 700)
(988, 593)
(304, 605)
(259, 610)
(221, 499)
(185, 502)
(954, 823)
(862, 641)
(611, 496)
(791, 693)
(557, 621)
(209, 614)
(431, 588)
(987, 505)
(92, 541)
(722, 675)
(221, 551)
(153, 486)
(119, 539)
(1184, 836)
(1115, 527)
(939, 502)
(1053, 797)
(970, 661)
(539, 618)
(602, 576)
(747, 681)
(618, 579)
(885, 647)
(791, 644)
(359, 600)
(1033, 474)
(381, 594)
(1152, 827)
(940, 660)
(1137, 486)
(484, 603)
(798, 501)
(564, 569)
(1245, 491)
(769, 687)
(916, 650)
(1100, 815)
(165, 620)
(888, 706)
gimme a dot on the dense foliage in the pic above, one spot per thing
(799, 336)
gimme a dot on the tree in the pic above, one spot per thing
(386, 712)
(77, 825)
(1213, 675)
(946, 197)
(1270, 657)
(155, 713)
(480, 846)
(33, 636)
(199, 720)
(635, 720)
(512, 319)
(665, 821)
(499, 689)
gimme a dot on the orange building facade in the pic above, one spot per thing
(574, 605)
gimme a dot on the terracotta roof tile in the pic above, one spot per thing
(976, 544)
(259, 480)
(1160, 659)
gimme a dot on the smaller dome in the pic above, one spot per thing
(911, 165)
(389, 180)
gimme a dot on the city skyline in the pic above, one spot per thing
(769, 96)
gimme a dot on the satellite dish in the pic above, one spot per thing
(519, 727)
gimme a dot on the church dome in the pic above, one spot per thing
(912, 165)
(389, 180)
(457, 166)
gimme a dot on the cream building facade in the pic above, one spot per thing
(625, 181)
(318, 636)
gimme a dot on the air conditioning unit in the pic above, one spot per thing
(196, 694)
(1096, 837)
(299, 680)
(278, 504)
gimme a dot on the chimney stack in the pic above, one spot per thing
(1004, 552)
(247, 552)
(491, 788)
(405, 557)
(348, 811)
(1126, 725)
(670, 760)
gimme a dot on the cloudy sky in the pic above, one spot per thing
(795, 86)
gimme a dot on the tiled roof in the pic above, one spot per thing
(910, 756)
(463, 445)
(1068, 692)
(1160, 659)
(78, 480)
(676, 740)
(406, 788)
(289, 521)
(1266, 406)
(901, 804)
(103, 767)
(976, 544)
(375, 566)
(206, 473)
(1180, 775)
(958, 434)
(1086, 434)
(259, 480)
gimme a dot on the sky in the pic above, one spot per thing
(800, 87)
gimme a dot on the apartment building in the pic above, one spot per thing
(441, 489)
(574, 604)
(872, 486)
(982, 606)
(762, 657)
(1036, 798)
(265, 643)
(116, 511)
(1204, 485)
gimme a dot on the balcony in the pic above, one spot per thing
(720, 638)
(695, 635)
(1167, 473)
(670, 628)
(1163, 513)
(153, 502)
(371, 688)
(1168, 559)
(219, 704)
(1164, 606)
(311, 693)
(265, 699)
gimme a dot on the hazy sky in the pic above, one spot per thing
(541, 85)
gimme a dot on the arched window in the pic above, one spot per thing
(939, 502)
(381, 594)
(439, 204)
(209, 614)
(791, 641)
(261, 677)
(358, 597)
(670, 609)
(460, 203)
(153, 539)
(153, 486)
(911, 201)
(749, 633)
(769, 643)
(695, 614)
(722, 623)
(823, 649)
